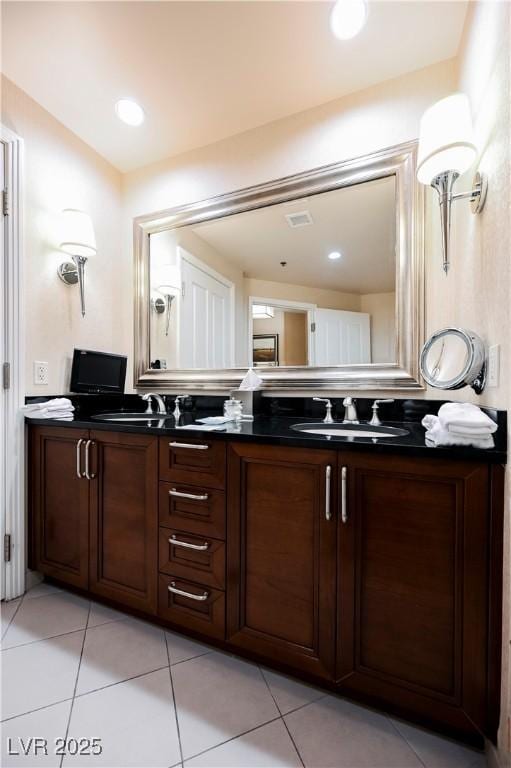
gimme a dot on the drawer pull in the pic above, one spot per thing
(194, 496)
(192, 446)
(199, 547)
(175, 591)
(344, 503)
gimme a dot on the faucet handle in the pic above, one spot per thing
(375, 421)
(328, 417)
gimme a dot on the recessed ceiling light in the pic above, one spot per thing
(129, 112)
(348, 17)
(334, 255)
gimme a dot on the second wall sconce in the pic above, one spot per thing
(77, 240)
(446, 151)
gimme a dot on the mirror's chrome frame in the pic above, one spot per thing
(404, 374)
(473, 374)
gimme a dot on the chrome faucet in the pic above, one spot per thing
(148, 397)
(328, 416)
(350, 412)
(375, 421)
(177, 411)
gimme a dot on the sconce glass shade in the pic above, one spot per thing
(167, 290)
(78, 237)
(446, 139)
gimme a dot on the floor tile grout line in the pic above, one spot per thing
(61, 634)
(233, 738)
(11, 619)
(76, 685)
(394, 726)
(118, 682)
(183, 661)
(176, 716)
(43, 639)
(37, 709)
(281, 715)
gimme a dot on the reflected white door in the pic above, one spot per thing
(341, 337)
(205, 321)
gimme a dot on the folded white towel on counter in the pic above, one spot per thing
(59, 408)
(437, 435)
(466, 419)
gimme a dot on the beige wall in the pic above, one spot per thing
(61, 171)
(476, 292)
(382, 308)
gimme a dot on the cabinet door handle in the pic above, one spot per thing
(183, 495)
(88, 475)
(175, 591)
(192, 446)
(177, 543)
(328, 478)
(79, 458)
(344, 486)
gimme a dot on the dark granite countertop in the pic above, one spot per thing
(276, 430)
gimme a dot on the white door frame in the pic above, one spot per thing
(12, 437)
(283, 304)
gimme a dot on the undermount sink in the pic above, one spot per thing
(349, 430)
(126, 416)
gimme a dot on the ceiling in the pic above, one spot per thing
(358, 221)
(204, 71)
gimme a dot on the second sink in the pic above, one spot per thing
(349, 430)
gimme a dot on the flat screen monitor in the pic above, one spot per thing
(97, 372)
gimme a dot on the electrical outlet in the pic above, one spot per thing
(494, 365)
(40, 372)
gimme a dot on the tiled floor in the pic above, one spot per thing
(156, 699)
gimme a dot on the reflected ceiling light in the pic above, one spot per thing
(446, 150)
(129, 112)
(334, 255)
(348, 17)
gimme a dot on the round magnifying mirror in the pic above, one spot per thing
(454, 358)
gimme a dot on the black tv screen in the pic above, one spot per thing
(97, 372)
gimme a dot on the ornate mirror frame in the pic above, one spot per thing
(404, 374)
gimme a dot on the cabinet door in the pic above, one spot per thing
(281, 532)
(59, 504)
(412, 612)
(124, 518)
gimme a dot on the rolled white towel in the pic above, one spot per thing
(466, 419)
(436, 435)
(63, 414)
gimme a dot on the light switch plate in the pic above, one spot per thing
(40, 372)
(494, 365)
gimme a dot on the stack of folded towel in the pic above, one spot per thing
(59, 408)
(460, 424)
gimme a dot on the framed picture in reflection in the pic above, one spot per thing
(265, 349)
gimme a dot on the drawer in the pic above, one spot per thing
(194, 509)
(201, 608)
(196, 558)
(196, 462)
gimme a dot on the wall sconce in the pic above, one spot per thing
(447, 150)
(159, 306)
(78, 241)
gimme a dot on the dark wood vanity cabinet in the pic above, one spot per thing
(377, 575)
(94, 512)
(281, 541)
(413, 590)
(124, 518)
(59, 505)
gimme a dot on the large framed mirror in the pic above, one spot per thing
(316, 280)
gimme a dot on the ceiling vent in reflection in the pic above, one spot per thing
(299, 219)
